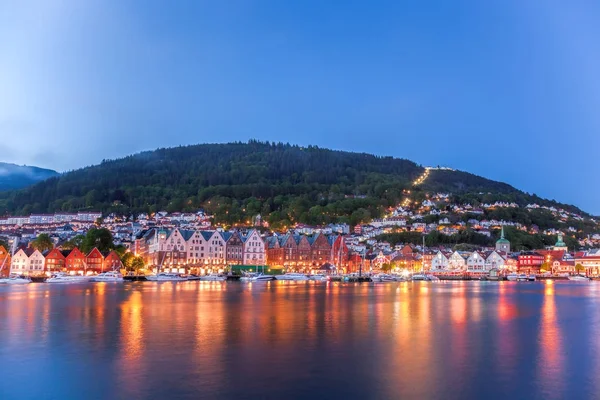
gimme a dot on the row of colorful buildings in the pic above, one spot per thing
(216, 250)
(32, 262)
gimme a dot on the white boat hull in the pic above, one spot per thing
(155, 279)
(70, 279)
(15, 281)
(215, 278)
(579, 278)
(288, 277)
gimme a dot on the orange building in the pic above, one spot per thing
(95, 261)
(55, 261)
(4, 262)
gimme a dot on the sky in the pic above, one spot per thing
(506, 89)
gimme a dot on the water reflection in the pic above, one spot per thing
(300, 340)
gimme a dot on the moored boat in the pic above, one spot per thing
(512, 277)
(166, 277)
(61, 277)
(213, 278)
(257, 278)
(292, 276)
(318, 277)
(109, 276)
(522, 277)
(578, 278)
(531, 278)
(16, 280)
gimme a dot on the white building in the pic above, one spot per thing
(27, 262)
(439, 262)
(254, 249)
(475, 262)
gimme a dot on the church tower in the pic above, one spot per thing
(502, 244)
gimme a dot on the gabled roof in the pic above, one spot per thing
(226, 235)
(207, 234)
(186, 234)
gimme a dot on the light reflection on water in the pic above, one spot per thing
(300, 340)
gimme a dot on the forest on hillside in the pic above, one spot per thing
(235, 181)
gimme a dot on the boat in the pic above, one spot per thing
(318, 277)
(580, 278)
(292, 276)
(14, 279)
(166, 277)
(522, 277)
(419, 277)
(213, 278)
(110, 276)
(62, 277)
(193, 277)
(253, 277)
(383, 278)
(512, 277)
(531, 278)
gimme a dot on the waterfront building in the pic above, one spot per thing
(590, 261)
(440, 262)
(234, 248)
(94, 261)
(320, 250)
(74, 260)
(476, 262)
(494, 260)
(530, 262)
(112, 261)
(254, 249)
(55, 261)
(5, 262)
(27, 262)
(457, 261)
(215, 256)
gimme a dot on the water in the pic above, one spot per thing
(301, 340)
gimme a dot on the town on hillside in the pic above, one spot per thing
(189, 243)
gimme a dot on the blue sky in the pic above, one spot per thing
(505, 89)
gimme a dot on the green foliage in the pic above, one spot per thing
(42, 242)
(386, 267)
(101, 238)
(579, 268)
(286, 184)
(77, 241)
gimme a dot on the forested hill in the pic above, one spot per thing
(236, 181)
(14, 176)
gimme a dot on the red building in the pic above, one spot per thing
(112, 261)
(320, 250)
(275, 253)
(95, 261)
(339, 252)
(530, 262)
(75, 260)
(55, 261)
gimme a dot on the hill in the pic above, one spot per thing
(235, 181)
(14, 176)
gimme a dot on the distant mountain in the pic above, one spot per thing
(236, 181)
(14, 176)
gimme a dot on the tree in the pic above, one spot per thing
(101, 238)
(579, 268)
(127, 260)
(386, 267)
(138, 263)
(42, 243)
(72, 243)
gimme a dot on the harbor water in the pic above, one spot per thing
(301, 340)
